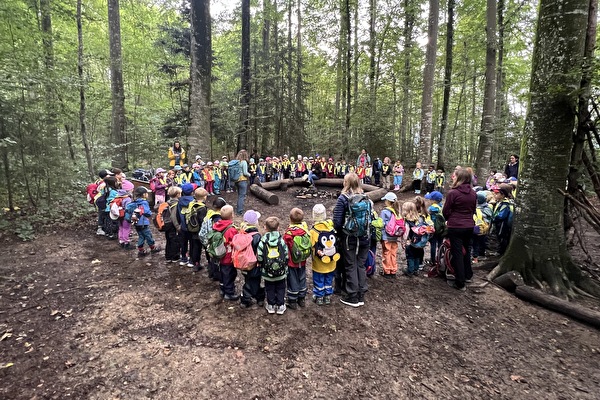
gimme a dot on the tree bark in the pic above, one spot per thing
(441, 155)
(200, 137)
(242, 142)
(118, 136)
(484, 150)
(428, 78)
(82, 123)
(538, 247)
(409, 22)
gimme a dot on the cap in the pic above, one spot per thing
(251, 217)
(198, 157)
(177, 168)
(251, 160)
(103, 173)
(481, 197)
(219, 202)
(187, 189)
(319, 212)
(126, 185)
(505, 189)
(224, 158)
(435, 196)
(209, 163)
(159, 170)
(390, 196)
(140, 190)
(512, 179)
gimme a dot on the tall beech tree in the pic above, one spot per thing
(538, 247)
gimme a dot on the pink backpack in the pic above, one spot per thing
(243, 254)
(395, 226)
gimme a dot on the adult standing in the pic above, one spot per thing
(363, 159)
(354, 250)
(512, 168)
(242, 182)
(458, 210)
(176, 154)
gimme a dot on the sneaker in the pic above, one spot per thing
(183, 261)
(301, 302)
(231, 297)
(189, 264)
(453, 285)
(245, 305)
(469, 280)
(142, 253)
(281, 309)
(474, 260)
(327, 300)
(270, 308)
(350, 301)
(361, 299)
(127, 246)
(197, 268)
(156, 249)
(319, 301)
(292, 305)
(100, 232)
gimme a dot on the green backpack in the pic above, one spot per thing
(216, 243)
(301, 248)
(192, 220)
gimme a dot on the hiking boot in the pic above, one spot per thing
(142, 253)
(281, 309)
(327, 300)
(270, 308)
(155, 250)
(319, 301)
(292, 305)
(350, 301)
(231, 297)
(302, 302)
(245, 305)
(453, 285)
(100, 232)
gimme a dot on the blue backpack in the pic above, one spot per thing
(234, 170)
(370, 264)
(358, 216)
(420, 232)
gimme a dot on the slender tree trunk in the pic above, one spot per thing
(372, 43)
(348, 48)
(428, 79)
(499, 125)
(82, 123)
(484, 151)
(409, 22)
(299, 89)
(200, 137)
(538, 246)
(118, 135)
(278, 87)
(246, 89)
(356, 54)
(441, 156)
(5, 161)
(289, 84)
(267, 81)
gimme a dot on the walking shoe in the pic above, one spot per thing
(361, 299)
(319, 301)
(100, 232)
(292, 305)
(260, 303)
(156, 249)
(474, 260)
(197, 268)
(327, 300)
(453, 285)
(302, 302)
(470, 280)
(183, 261)
(127, 246)
(189, 264)
(142, 253)
(245, 305)
(281, 309)
(270, 308)
(350, 301)
(406, 272)
(231, 297)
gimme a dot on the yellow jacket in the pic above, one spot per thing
(172, 157)
(325, 255)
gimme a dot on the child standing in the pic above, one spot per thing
(209, 178)
(417, 178)
(485, 214)
(386, 173)
(413, 254)
(212, 216)
(217, 177)
(138, 212)
(252, 289)
(185, 236)
(158, 185)
(389, 242)
(173, 244)
(439, 222)
(440, 180)
(124, 226)
(296, 280)
(398, 175)
(228, 272)
(502, 217)
(199, 207)
(430, 180)
(324, 255)
(272, 256)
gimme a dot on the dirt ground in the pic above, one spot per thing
(81, 318)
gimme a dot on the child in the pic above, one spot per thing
(398, 175)
(423, 215)
(185, 236)
(200, 196)
(439, 222)
(440, 180)
(502, 217)
(209, 178)
(261, 171)
(252, 289)
(158, 185)
(217, 177)
(324, 255)
(252, 170)
(480, 238)
(112, 185)
(172, 248)
(272, 255)
(430, 180)
(138, 212)
(417, 178)
(228, 272)
(386, 173)
(389, 243)
(126, 192)
(296, 280)
(413, 254)
(368, 173)
(212, 216)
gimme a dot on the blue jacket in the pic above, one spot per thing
(184, 201)
(112, 194)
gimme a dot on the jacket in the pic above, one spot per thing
(172, 157)
(386, 215)
(323, 239)
(146, 214)
(222, 226)
(184, 201)
(294, 230)
(339, 218)
(271, 239)
(460, 206)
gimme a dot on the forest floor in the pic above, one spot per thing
(81, 318)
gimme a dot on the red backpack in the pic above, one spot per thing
(92, 192)
(116, 208)
(243, 254)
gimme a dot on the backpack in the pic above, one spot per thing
(206, 227)
(377, 225)
(370, 264)
(191, 216)
(100, 200)
(274, 263)
(116, 208)
(443, 266)
(153, 184)
(162, 220)
(243, 253)
(439, 224)
(234, 170)
(421, 232)
(92, 192)
(358, 216)
(216, 243)
(132, 212)
(395, 226)
(301, 248)
(481, 227)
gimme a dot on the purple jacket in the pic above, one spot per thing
(459, 207)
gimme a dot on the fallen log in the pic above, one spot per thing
(369, 188)
(273, 185)
(510, 281)
(265, 195)
(587, 315)
(330, 182)
(376, 195)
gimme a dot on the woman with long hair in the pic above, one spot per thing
(458, 210)
(241, 183)
(176, 154)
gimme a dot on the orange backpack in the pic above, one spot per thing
(162, 219)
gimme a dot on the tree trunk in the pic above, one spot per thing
(409, 22)
(82, 124)
(428, 78)
(200, 137)
(347, 135)
(245, 89)
(118, 137)
(499, 125)
(484, 151)
(267, 82)
(299, 120)
(5, 161)
(538, 246)
(447, 85)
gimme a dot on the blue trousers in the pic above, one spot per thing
(296, 283)
(144, 236)
(323, 283)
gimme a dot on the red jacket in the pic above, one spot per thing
(288, 238)
(220, 226)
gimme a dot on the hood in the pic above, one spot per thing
(122, 193)
(272, 238)
(465, 188)
(324, 226)
(221, 224)
(184, 201)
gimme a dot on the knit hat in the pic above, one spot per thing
(219, 202)
(251, 217)
(319, 212)
(126, 185)
(481, 197)
(187, 189)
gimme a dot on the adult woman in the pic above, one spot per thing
(458, 210)
(363, 158)
(242, 183)
(512, 168)
(354, 250)
(176, 154)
